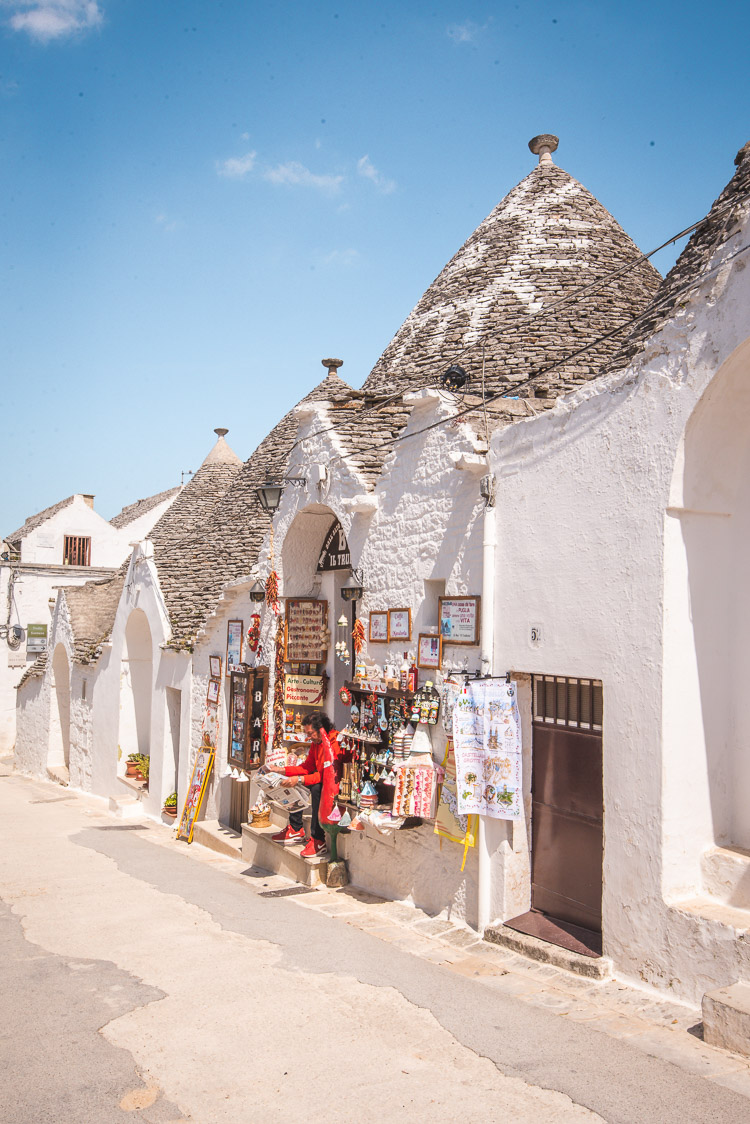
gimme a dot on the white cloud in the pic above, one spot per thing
(367, 169)
(165, 222)
(237, 167)
(341, 258)
(463, 32)
(297, 174)
(52, 19)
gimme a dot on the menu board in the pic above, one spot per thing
(459, 619)
(303, 690)
(306, 630)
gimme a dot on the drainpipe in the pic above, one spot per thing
(489, 542)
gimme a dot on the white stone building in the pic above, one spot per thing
(66, 544)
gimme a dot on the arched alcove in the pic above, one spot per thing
(59, 727)
(707, 616)
(136, 687)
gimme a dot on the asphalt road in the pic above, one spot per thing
(208, 992)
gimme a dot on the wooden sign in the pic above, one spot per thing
(306, 630)
(459, 619)
(196, 792)
(334, 553)
(303, 690)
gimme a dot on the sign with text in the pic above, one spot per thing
(36, 638)
(334, 553)
(303, 690)
(306, 630)
(459, 619)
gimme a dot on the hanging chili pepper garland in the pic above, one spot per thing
(272, 591)
(278, 688)
(358, 636)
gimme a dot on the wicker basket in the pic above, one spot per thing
(261, 819)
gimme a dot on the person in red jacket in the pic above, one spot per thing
(309, 773)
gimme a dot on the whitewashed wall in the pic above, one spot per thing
(616, 539)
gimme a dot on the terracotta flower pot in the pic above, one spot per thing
(171, 812)
(131, 769)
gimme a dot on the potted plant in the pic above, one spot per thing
(170, 806)
(144, 762)
(131, 765)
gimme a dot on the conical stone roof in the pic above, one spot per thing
(548, 238)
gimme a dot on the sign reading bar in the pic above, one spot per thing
(306, 630)
(334, 554)
(303, 690)
(459, 619)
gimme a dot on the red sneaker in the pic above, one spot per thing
(288, 837)
(314, 849)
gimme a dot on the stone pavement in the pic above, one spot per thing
(661, 1027)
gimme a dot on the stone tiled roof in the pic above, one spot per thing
(92, 608)
(720, 223)
(135, 510)
(224, 542)
(547, 238)
(35, 521)
(35, 670)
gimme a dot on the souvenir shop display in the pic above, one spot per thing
(342, 646)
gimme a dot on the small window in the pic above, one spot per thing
(76, 551)
(575, 703)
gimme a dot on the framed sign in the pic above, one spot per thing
(429, 651)
(212, 694)
(399, 624)
(306, 638)
(303, 690)
(36, 638)
(459, 619)
(234, 644)
(334, 554)
(214, 663)
(379, 627)
(195, 794)
(247, 717)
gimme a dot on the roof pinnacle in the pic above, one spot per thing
(332, 365)
(543, 146)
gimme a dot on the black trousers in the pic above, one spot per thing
(295, 818)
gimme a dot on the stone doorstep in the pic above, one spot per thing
(217, 837)
(259, 849)
(726, 875)
(726, 1018)
(599, 968)
(126, 807)
(59, 774)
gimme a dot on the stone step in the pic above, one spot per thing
(126, 807)
(726, 875)
(726, 1018)
(212, 834)
(711, 909)
(594, 968)
(60, 774)
(259, 849)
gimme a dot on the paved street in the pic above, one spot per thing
(148, 980)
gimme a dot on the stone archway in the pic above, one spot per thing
(707, 619)
(136, 688)
(59, 728)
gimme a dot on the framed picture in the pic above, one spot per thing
(234, 645)
(459, 619)
(214, 663)
(429, 651)
(399, 624)
(306, 636)
(212, 695)
(379, 628)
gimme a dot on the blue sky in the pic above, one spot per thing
(203, 198)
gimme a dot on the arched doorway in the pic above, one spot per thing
(707, 618)
(59, 727)
(136, 688)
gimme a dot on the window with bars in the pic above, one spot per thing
(574, 703)
(76, 551)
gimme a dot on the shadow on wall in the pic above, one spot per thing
(715, 607)
(136, 688)
(59, 726)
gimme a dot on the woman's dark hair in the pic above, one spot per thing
(318, 722)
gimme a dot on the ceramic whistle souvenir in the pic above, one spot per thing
(346, 696)
(382, 720)
(354, 712)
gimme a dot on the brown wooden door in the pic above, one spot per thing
(567, 802)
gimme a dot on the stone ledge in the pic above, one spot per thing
(259, 849)
(217, 837)
(726, 1018)
(726, 875)
(599, 968)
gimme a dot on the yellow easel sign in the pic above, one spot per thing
(196, 791)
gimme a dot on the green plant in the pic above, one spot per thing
(134, 758)
(144, 763)
(171, 801)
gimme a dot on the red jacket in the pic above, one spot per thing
(311, 769)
